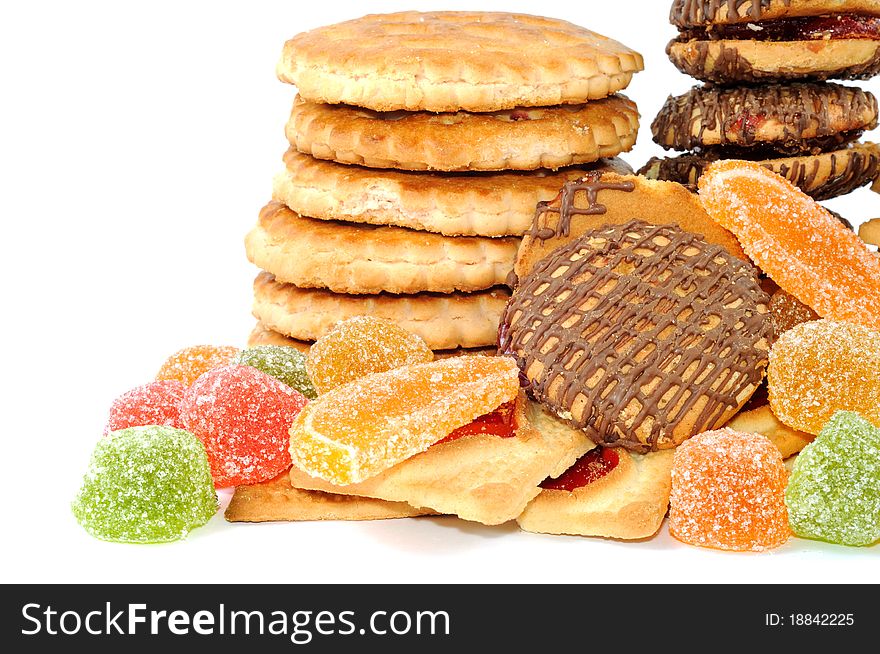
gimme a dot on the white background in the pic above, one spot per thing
(138, 144)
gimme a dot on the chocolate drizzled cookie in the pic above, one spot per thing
(823, 176)
(776, 118)
(735, 41)
(641, 335)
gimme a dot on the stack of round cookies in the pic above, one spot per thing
(765, 63)
(420, 144)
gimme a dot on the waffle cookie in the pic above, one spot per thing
(640, 335)
(612, 199)
(749, 41)
(823, 176)
(628, 500)
(450, 61)
(453, 204)
(785, 119)
(444, 321)
(277, 501)
(483, 477)
(516, 139)
(369, 259)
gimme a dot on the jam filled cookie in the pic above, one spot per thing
(748, 41)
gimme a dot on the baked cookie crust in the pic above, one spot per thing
(451, 61)
(518, 139)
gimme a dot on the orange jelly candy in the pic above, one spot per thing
(803, 248)
(362, 428)
(190, 363)
(361, 346)
(821, 367)
(728, 492)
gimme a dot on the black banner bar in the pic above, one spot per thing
(318, 618)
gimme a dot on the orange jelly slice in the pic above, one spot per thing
(360, 429)
(801, 246)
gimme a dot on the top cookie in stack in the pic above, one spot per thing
(766, 99)
(420, 144)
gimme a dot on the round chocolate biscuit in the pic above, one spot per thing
(821, 176)
(764, 122)
(641, 335)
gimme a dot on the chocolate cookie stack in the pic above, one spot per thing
(765, 63)
(420, 144)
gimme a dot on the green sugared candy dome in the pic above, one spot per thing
(146, 485)
(286, 364)
(833, 493)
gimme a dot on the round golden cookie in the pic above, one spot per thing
(517, 139)
(821, 176)
(454, 204)
(785, 118)
(368, 259)
(641, 335)
(451, 61)
(612, 199)
(444, 321)
(696, 13)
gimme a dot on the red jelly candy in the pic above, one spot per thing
(156, 403)
(242, 416)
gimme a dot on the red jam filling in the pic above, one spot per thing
(748, 123)
(806, 28)
(499, 423)
(593, 465)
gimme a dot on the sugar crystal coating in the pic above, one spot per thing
(805, 249)
(834, 490)
(361, 346)
(284, 363)
(727, 492)
(155, 403)
(242, 415)
(187, 364)
(365, 427)
(821, 367)
(146, 485)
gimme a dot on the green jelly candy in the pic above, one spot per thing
(146, 485)
(833, 493)
(286, 364)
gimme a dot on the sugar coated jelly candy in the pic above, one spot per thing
(187, 364)
(242, 415)
(834, 490)
(362, 428)
(805, 249)
(821, 367)
(728, 492)
(146, 485)
(156, 403)
(284, 363)
(360, 346)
